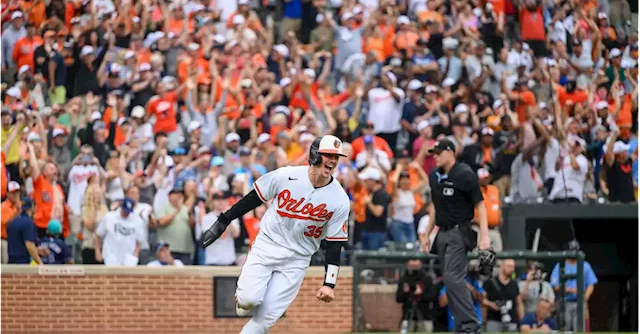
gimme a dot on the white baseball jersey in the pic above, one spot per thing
(302, 215)
(119, 238)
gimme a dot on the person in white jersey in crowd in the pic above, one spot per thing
(164, 257)
(145, 212)
(223, 251)
(571, 171)
(119, 236)
(84, 166)
(309, 205)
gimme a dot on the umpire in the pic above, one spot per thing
(455, 194)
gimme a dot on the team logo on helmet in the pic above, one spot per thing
(336, 144)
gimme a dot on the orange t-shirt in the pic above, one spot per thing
(426, 15)
(165, 121)
(175, 25)
(491, 197)
(38, 12)
(375, 44)
(23, 51)
(9, 211)
(625, 116)
(357, 146)
(254, 25)
(298, 100)
(252, 224)
(534, 21)
(407, 40)
(527, 99)
(578, 96)
(43, 193)
(119, 136)
(498, 6)
(359, 191)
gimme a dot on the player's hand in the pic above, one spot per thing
(325, 294)
(484, 242)
(212, 234)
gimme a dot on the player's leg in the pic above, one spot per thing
(254, 278)
(454, 277)
(281, 291)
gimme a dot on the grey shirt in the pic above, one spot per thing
(9, 38)
(348, 42)
(536, 290)
(455, 69)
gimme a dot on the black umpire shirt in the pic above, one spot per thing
(454, 195)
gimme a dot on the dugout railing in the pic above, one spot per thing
(395, 261)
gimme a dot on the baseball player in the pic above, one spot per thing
(308, 205)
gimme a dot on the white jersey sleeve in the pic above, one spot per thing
(338, 225)
(268, 185)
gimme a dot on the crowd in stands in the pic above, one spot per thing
(129, 125)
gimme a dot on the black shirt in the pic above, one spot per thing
(506, 296)
(373, 223)
(455, 194)
(620, 182)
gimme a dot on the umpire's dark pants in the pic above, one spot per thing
(452, 250)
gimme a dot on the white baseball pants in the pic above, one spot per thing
(269, 280)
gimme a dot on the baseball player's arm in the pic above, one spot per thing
(337, 234)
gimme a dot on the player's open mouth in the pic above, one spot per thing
(330, 166)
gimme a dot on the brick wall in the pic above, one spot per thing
(149, 300)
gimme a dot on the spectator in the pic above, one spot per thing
(379, 143)
(503, 301)
(571, 171)
(11, 208)
(493, 205)
(590, 280)
(480, 155)
(222, 252)
(21, 236)
(10, 35)
(618, 170)
(118, 237)
(540, 320)
(406, 201)
(372, 157)
(385, 108)
(85, 165)
(376, 208)
(51, 248)
(94, 209)
(145, 212)
(164, 257)
(534, 288)
(174, 225)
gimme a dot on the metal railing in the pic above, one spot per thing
(359, 260)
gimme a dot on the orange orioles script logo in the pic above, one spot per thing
(307, 212)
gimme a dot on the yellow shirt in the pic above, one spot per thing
(13, 155)
(294, 151)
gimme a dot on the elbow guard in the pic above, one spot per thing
(332, 263)
(244, 205)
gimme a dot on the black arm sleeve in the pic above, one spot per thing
(244, 205)
(332, 256)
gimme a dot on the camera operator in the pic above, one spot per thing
(417, 293)
(502, 299)
(534, 287)
(474, 286)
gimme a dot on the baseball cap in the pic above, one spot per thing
(487, 132)
(27, 203)
(483, 173)
(244, 152)
(194, 125)
(306, 137)
(54, 227)
(99, 125)
(414, 84)
(176, 189)
(368, 139)
(127, 205)
(217, 161)
(58, 132)
(161, 244)
(443, 145)
(179, 151)
(232, 137)
(370, 173)
(16, 15)
(13, 186)
(263, 138)
(422, 125)
(138, 112)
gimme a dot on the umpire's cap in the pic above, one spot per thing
(443, 145)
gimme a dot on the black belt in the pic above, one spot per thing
(448, 227)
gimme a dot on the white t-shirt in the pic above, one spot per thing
(302, 215)
(403, 207)
(379, 160)
(573, 179)
(78, 182)
(162, 193)
(146, 131)
(223, 250)
(550, 158)
(384, 112)
(156, 263)
(144, 211)
(119, 238)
